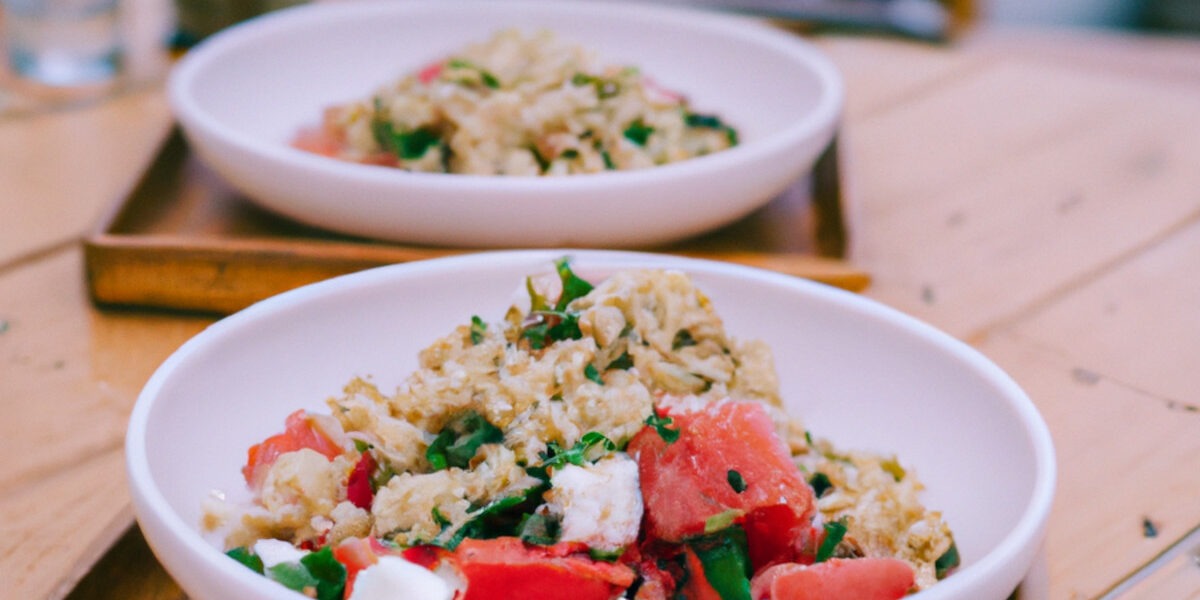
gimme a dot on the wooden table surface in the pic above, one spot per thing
(1036, 195)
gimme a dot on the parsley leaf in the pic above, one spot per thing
(572, 285)
(683, 339)
(408, 145)
(622, 362)
(605, 555)
(660, 424)
(478, 327)
(948, 560)
(485, 77)
(638, 132)
(329, 573)
(591, 373)
(834, 532)
(711, 122)
(244, 556)
(460, 439)
(499, 518)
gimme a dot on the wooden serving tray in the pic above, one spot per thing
(184, 239)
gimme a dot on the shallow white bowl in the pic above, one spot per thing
(243, 94)
(858, 372)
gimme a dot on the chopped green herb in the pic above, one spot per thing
(638, 132)
(542, 161)
(499, 518)
(551, 326)
(736, 481)
(891, 465)
(478, 327)
(622, 362)
(660, 425)
(440, 519)
(722, 519)
(607, 158)
(542, 530)
(572, 285)
(606, 555)
(294, 576)
(329, 573)
(712, 122)
(569, 154)
(244, 556)
(591, 373)
(726, 562)
(604, 88)
(820, 483)
(460, 439)
(590, 448)
(485, 77)
(834, 532)
(361, 446)
(683, 339)
(808, 438)
(948, 560)
(537, 302)
(408, 145)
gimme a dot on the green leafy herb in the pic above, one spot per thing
(244, 556)
(542, 161)
(440, 519)
(542, 530)
(591, 373)
(722, 519)
(712, 122)
(590, 448)
(820, 483)
(549, 326)
(569, 154)
(499, 518)
(834, 532)
(660, 425)
(361, 446)
(736, 481)
(638, 132)
(622, 362)
(726, 562)
(606, 555)
(948, 560)
(460, 439)
(293, 576)
(329, 573)
(537, 302)
(605, 88)
(478, 327)
(683, 339)
(808, 438)
(485, 77)
(607, 158)
(573, 286)
(892, 465)
(408, 145)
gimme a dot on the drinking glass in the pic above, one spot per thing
(63, 43)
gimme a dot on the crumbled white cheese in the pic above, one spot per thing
(600, 504)
(393, 578)
(274, 552)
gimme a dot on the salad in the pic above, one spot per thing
(599, 442)
(519, 104)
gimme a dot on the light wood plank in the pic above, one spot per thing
(69, 373)
(1006, 188)
(1122, 457)
(882, 73)
(66, 521)
(62, 170)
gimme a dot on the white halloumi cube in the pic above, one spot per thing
(600, 504)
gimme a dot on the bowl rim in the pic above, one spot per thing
(1028, 534)
(826, 110)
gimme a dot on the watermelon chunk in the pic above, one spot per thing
(689, 481)
(835, 579)
(508, 569)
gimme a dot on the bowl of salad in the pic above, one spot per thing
(514, 124)
(585, 424)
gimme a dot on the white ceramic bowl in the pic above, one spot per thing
(242, 95)
(858, 372)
